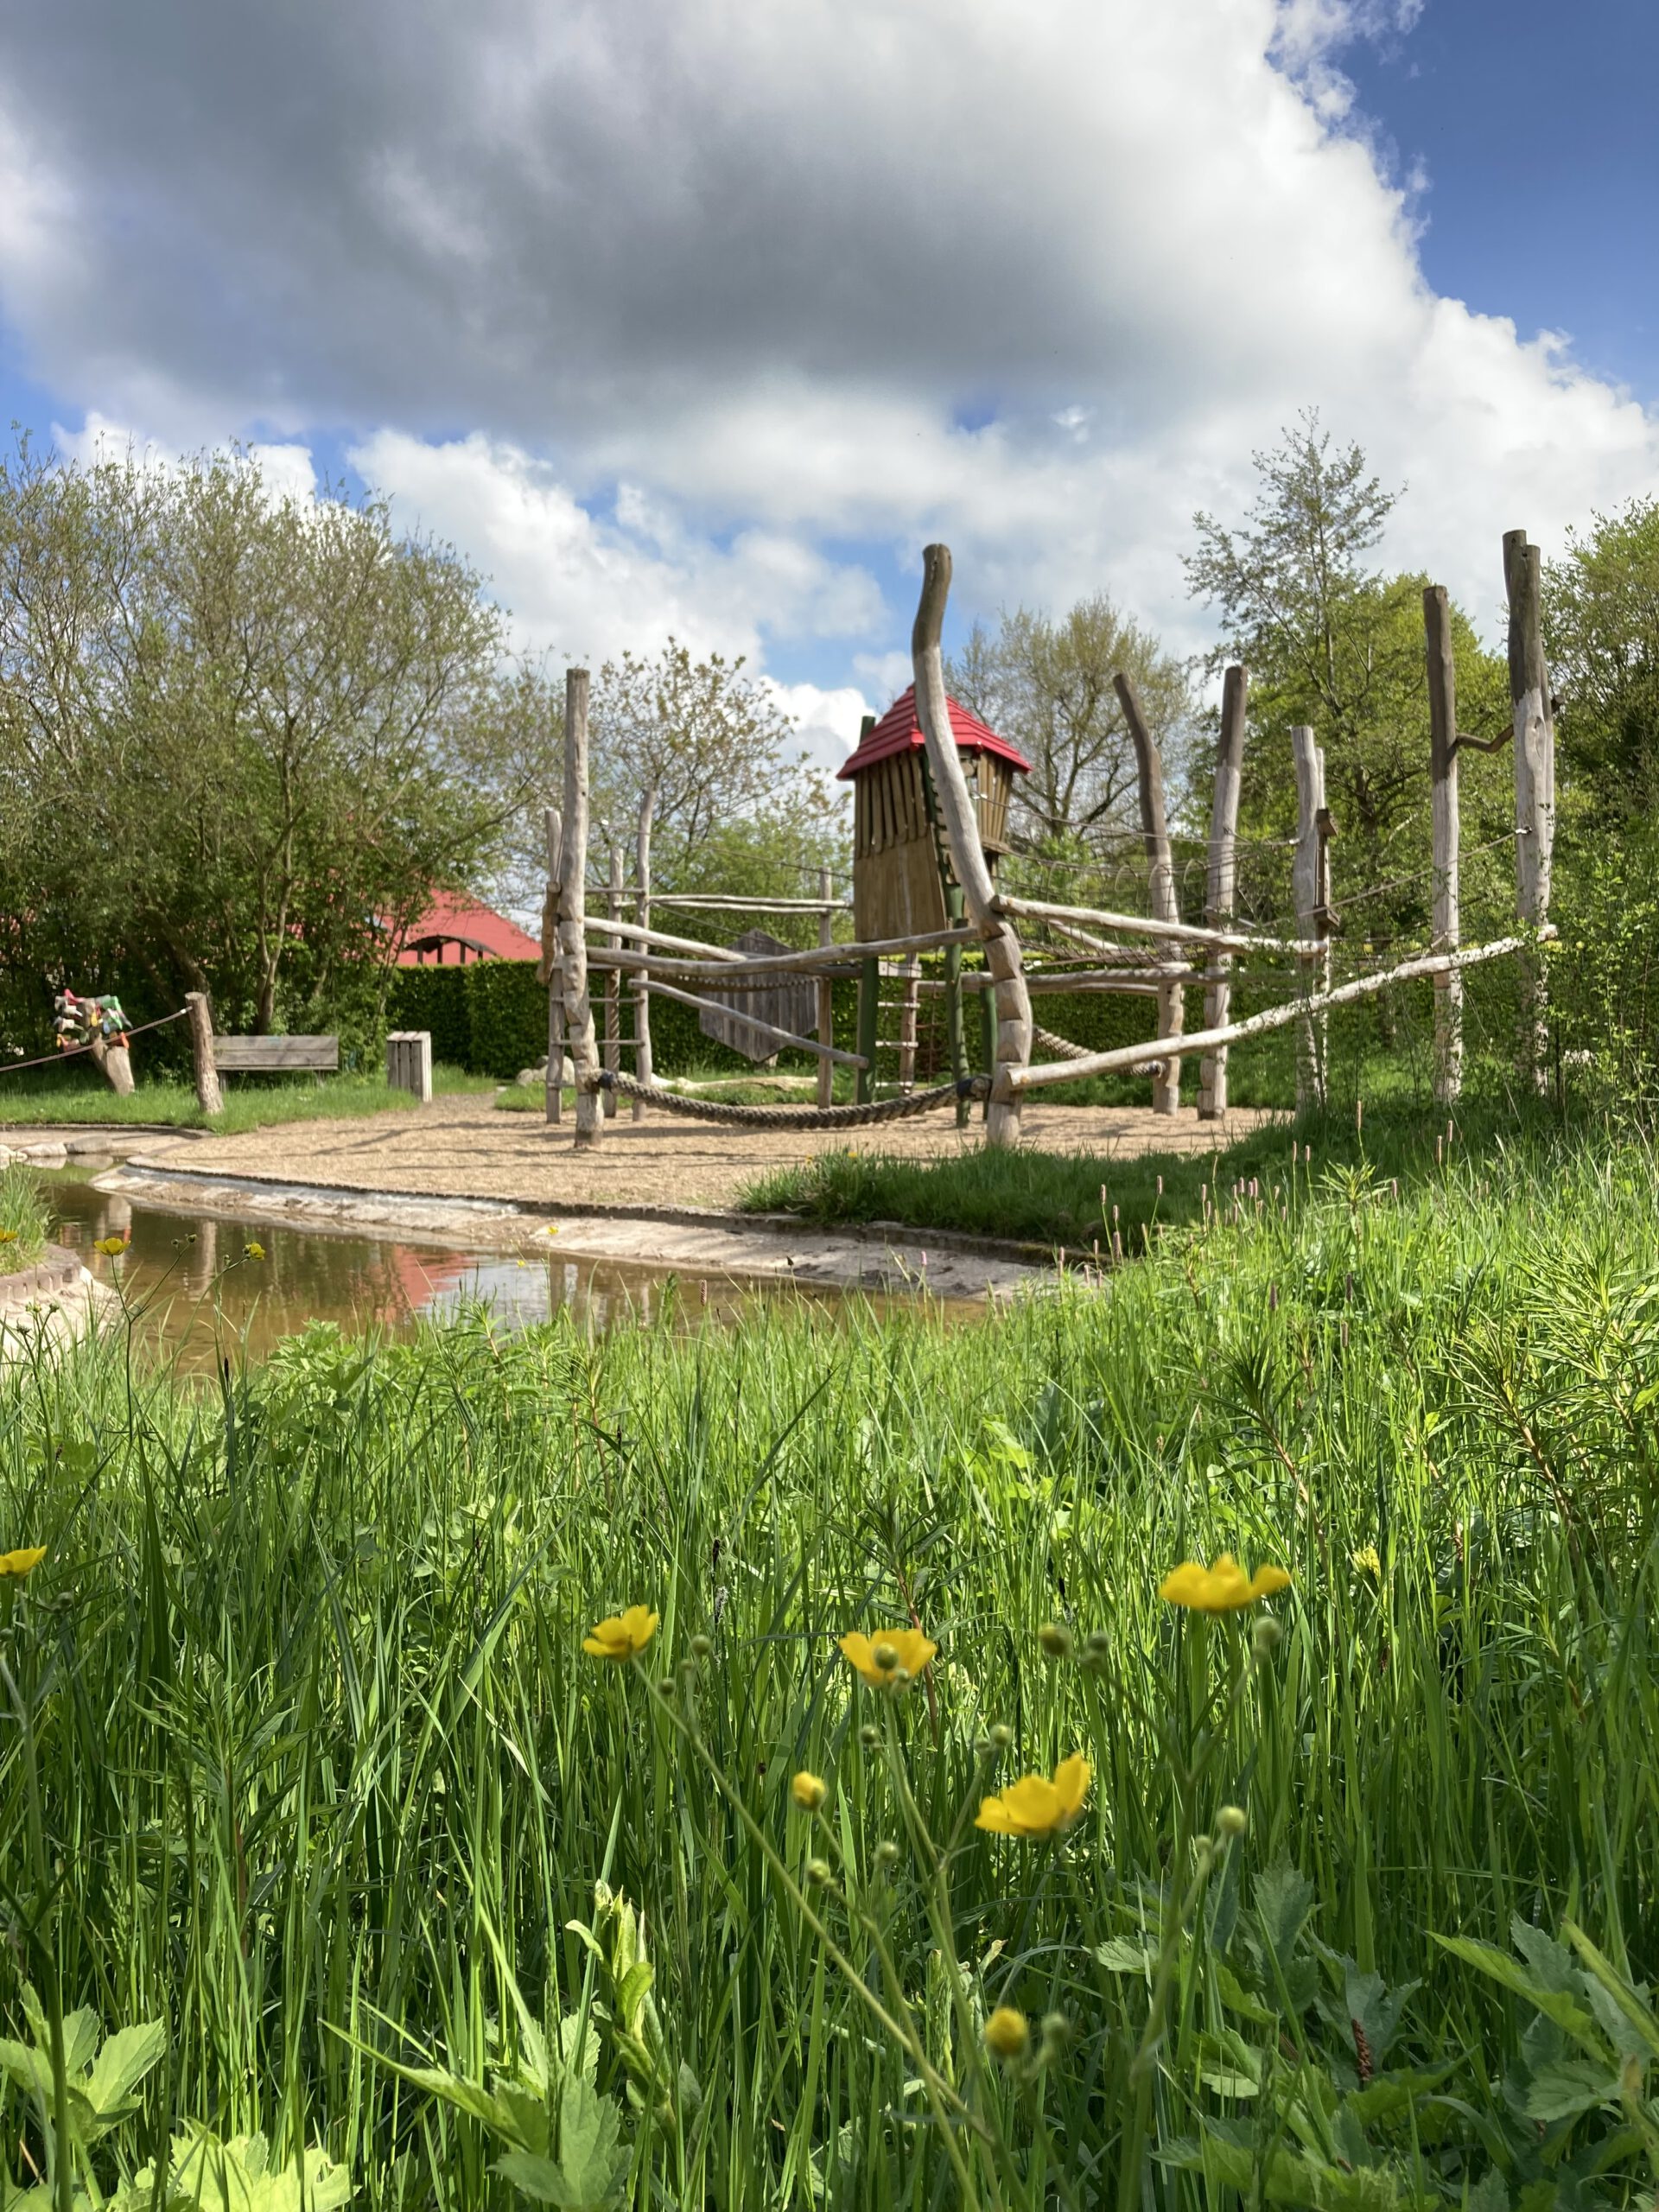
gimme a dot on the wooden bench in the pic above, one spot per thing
(276, 1055)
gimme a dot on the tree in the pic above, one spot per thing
(229, 732)
(1601, 615)
(715, 748)
(1046, 685)
(1335, 643)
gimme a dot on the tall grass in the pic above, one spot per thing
(327, 1777)
(24, 1220)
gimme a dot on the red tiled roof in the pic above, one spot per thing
(478, 932)
(898, 731)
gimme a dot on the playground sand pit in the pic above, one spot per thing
(463, 1147)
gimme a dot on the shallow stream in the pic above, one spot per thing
(197, 1291)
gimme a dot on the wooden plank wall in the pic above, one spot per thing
(787, 1001)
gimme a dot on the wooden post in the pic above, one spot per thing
(613, 980)
(1160, 884)
(910, 967)
(961, 820)
(1218, 893)
(642, 1062)
(409, 1063)
(1445, 921)
(869, 1000)
(573, 903)
(1312, 891)
(209, 1097)
(1534, 782)
(826, 1021)
(553, 967)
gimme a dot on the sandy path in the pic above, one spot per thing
(464, 1148)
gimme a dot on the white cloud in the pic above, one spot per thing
(694, 319)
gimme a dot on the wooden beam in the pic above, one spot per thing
(1445, 923)
(826, 989)
(553, 1081)
(960, 819)
(811, 961)
(1222, 879)
(1534, 780)
(573, 940)
(1278, 1017)
(209, 1097)
(1160, 883)
(1310, 890)
(1044, 910)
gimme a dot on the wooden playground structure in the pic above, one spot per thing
(931, 791)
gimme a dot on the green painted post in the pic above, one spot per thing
(869, 992)
(988, 1038)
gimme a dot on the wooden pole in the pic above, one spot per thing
(573, 901)
(1534, 782)
(961, 820)
(553, 1087)
(208, 1095)
(826, 1020)
(1445, 921)
(1307, 876)
(870, 999)
(642, 1063)
(1276, 1017)
(1220, 889)
(613, 980)
(1160, 884)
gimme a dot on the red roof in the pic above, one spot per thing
(460, 929)
(898, 731)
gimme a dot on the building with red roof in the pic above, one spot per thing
(456, 929)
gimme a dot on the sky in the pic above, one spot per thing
(703, 319)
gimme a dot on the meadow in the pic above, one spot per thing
(387, 1890)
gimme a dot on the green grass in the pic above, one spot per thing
(23, 1220)
(316, 1773)
(250, 1103)
(1068, 1199)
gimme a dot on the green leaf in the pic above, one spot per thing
(1569, 2086)
(1122, 1955)
(590, 2127)
(1283, 1898)
(1555, 2005)
(1639, 2014)
(537, 2177)
(126, 2058)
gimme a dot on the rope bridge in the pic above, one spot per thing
(798, 1117)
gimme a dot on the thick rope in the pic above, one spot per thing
(1064, 1049)
(68, 1051)
(798, 1117)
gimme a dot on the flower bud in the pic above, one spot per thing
(1055, 1640)
(1006, 2034)
(1231, 1821)
(1265, 1639)
(1002, 1736)
(1056, 2031)
(886, 1855)
(808, 1791)
(1098, 1644)
(818, 1872)
(885, 1657)
(984, 1750)
(701, 1646)
(869, 1736)
(665, 1686)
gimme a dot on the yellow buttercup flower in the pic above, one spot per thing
(1222, 1588)
(888, 1661)
(1368, 1560)
(23, 1562)
(1035, 1806)
(1007, 2033)
(7, 1236)
(623, 1635)
(253, 1250)
(809, 1791)
(111, 1247)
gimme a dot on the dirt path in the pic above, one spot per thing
(464, 1147)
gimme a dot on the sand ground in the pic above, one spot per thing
(463, 1148)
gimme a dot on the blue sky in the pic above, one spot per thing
(703, 319)
(1534, 124)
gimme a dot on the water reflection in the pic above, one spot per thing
(200, 1289)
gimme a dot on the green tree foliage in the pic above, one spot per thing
(1334, 643)
(1045, 684)
(234, 728)
(736, 806)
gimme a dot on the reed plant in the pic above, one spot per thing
(451, 1881)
